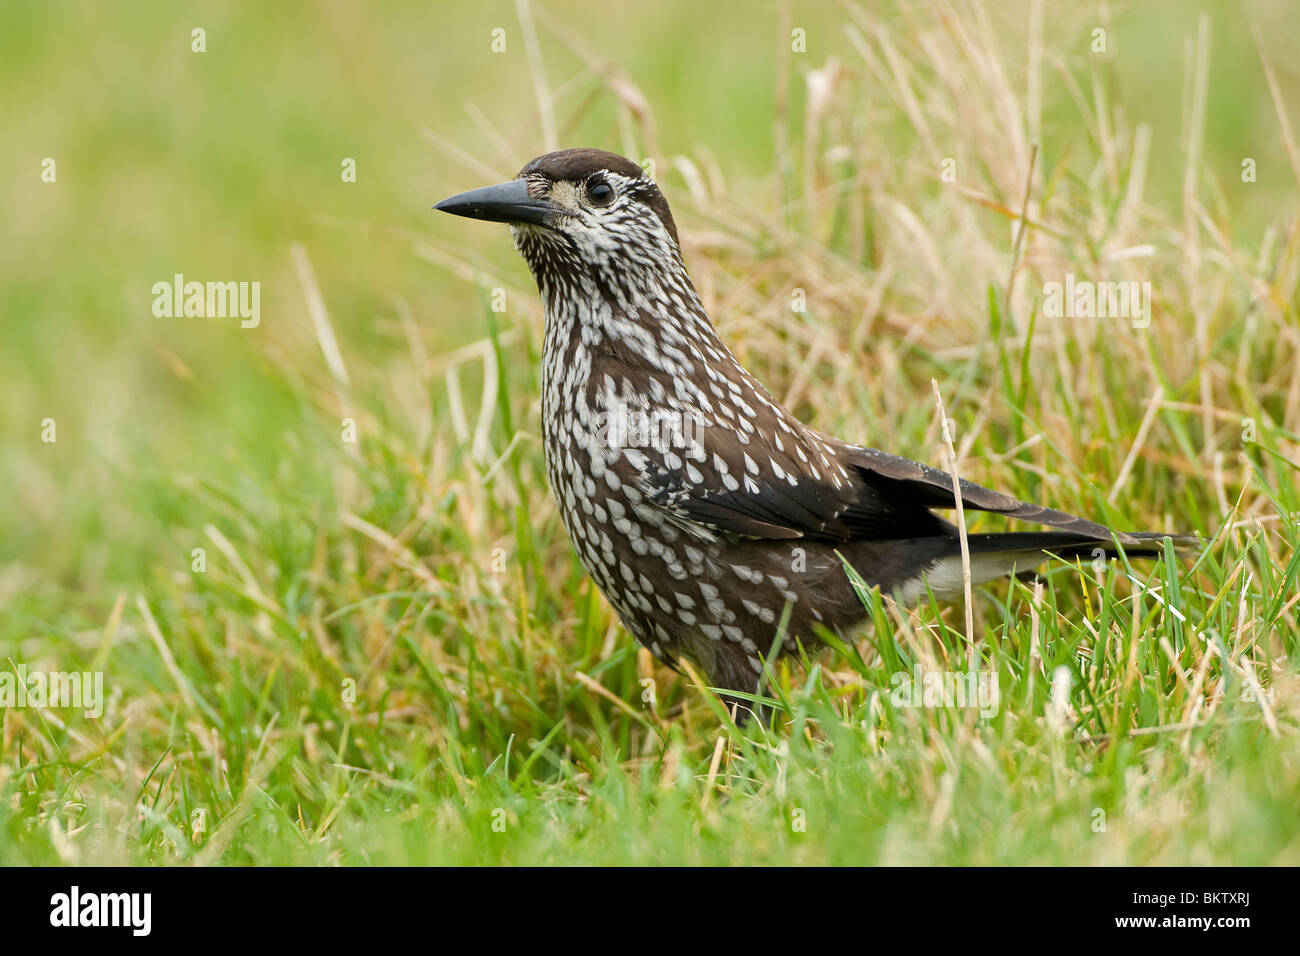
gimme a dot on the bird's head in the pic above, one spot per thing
(579, 213)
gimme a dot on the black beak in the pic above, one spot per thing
(505, 202)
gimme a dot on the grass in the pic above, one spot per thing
(318, 651)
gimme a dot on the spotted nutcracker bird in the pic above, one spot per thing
(702, 508)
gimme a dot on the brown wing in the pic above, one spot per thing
(931, 488)
(872, 495)
(760, 473)
(783, 481)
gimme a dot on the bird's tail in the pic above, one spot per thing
(1066, 544)
(993, 556)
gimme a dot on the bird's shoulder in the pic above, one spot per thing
(778, 479)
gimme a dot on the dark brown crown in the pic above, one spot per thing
(576, 165)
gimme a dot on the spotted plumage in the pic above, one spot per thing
(705, 511)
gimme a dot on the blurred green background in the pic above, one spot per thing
(211, 164)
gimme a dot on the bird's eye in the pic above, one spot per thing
(600, 192)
